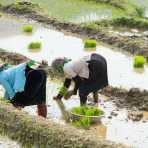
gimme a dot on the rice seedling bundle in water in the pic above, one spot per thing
(35, 45)
(27, 28)
(90, 44)
(139, 61)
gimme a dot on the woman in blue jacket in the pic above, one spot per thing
(25, 86)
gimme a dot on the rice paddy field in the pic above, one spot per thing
(39, 41)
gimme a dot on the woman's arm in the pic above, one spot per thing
(64, 88)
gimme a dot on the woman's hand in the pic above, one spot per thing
(68, 95)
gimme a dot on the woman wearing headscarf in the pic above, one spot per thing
(89, 75)
(25, 86)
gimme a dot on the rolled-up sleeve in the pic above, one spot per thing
(69, 72)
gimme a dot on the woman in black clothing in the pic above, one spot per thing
(34, 91)
(89, 75)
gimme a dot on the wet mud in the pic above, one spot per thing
(133, 99)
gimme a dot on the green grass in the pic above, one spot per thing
(35, 45)
(90, 44)
(139, 61)
(27, 28)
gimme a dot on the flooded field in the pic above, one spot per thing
(57, 44)
(81, 10)
(116, 128)
(76, 11)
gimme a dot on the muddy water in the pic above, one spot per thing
(116, 128)
(57, 44)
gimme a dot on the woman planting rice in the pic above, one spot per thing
(25, 86)
(89, 75)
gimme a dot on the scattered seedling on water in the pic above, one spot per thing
(90, 44)
(27, 28)
(35, 45)
(139, 61)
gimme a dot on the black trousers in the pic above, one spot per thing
(34, 91)
(98, 78)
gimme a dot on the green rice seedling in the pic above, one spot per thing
(93, 111)
(35, 45)
(92, 26)
(27, 28)
(88, 111)
(84, 122)
(78, 110)
(139, 61)
(63, 91)
(140, 11)
(130, 22)
(90, 44)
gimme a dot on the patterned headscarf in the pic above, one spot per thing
(58, 64)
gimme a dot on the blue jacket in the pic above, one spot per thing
(13, 80)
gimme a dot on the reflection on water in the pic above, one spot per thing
(56, 44)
